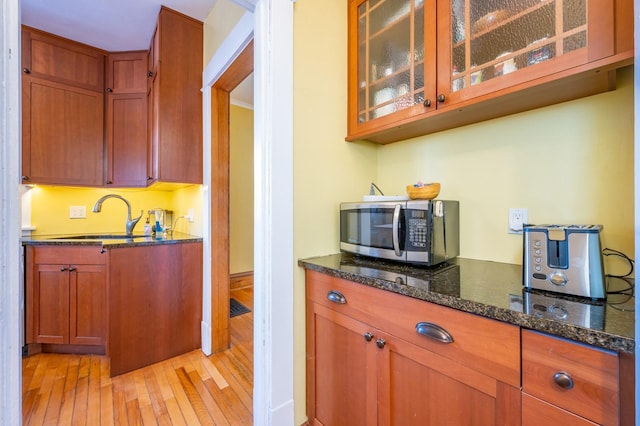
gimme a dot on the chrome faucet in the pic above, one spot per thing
(131, 223)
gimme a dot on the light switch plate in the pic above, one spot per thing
(77, 212)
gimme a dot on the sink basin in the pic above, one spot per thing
(99, 237)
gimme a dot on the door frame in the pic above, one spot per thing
(270, 25)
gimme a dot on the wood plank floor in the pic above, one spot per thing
(190, 389)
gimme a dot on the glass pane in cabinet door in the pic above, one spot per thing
(390, 50)
(492, 38)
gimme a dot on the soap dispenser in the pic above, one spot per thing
(147, 228)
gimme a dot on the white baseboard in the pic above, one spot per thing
(205, 329)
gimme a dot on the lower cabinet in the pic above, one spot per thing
(155, 303)
(66, 295)
(378, 358)
(569, 382)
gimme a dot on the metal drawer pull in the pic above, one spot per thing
(563, 379)
(336, 297)
(380, 343)
(434, 331)
(368, 336)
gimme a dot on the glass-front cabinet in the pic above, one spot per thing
(410, 60)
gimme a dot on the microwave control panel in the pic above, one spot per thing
(417, 230)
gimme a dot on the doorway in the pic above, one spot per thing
(237, 72)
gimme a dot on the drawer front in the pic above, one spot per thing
(89, 255)
(491, 347)
(573, 376)
(536, 412)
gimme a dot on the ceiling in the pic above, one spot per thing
(115, 25)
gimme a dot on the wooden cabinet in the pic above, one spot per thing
(375, 357)
(62, 111)
(420, 66)
(127, 145)
(568, 382)
(66, 295)
(175, 99)
(155, 303)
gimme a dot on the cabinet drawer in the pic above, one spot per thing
(492, 347)
(536, 412)
(590, 376)
(91, 255)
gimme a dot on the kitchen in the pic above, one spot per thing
(328, 170)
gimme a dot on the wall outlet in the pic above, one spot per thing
(77, 212)
(518, 217)
(189, 215)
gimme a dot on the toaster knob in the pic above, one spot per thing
(558, 278)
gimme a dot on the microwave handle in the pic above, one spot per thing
(396, 230)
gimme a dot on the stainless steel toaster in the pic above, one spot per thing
(564, 259)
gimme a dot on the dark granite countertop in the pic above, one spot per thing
(82, 240)
(494, 290)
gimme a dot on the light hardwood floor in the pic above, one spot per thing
(190, 389)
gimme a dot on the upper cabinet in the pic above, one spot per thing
(62, 111)
(175, 99)
(126, 120)
(138, 123)
(420, 66)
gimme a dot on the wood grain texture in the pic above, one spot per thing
(155, 303)
(178, 98)
(595, 393)
(189, 389)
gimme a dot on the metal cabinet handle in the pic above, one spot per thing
(427, 103)
(149, 73)
(64, 268)
(563, 379)
(336, 297)
(109, 182)
(72, 268)
(396, 230)
(380, 343)
(368, 336)
(434, 331)
(109, 90)
(440, 98)
(26, 70)
(25, 178)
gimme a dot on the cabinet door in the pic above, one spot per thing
(64, 61)
(341, 373)
(497, 44)
(62, 134)
(177, 98)
(419, 387)
(50, 304)
(392, 61)
(127, 142)
(88, 304)
(127, 72)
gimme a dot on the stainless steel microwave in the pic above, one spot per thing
(424, 232)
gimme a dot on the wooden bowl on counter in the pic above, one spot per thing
(428, 191)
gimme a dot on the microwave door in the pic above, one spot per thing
(373, 230)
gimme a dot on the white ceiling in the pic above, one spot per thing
(116, 25)
(112, 25)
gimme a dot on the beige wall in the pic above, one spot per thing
(223, 16)
(569, 163)
(241, 190)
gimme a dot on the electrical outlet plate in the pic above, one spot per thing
(77, 212)
(190, 215)
(518, 217)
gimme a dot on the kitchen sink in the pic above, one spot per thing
(99, 237)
